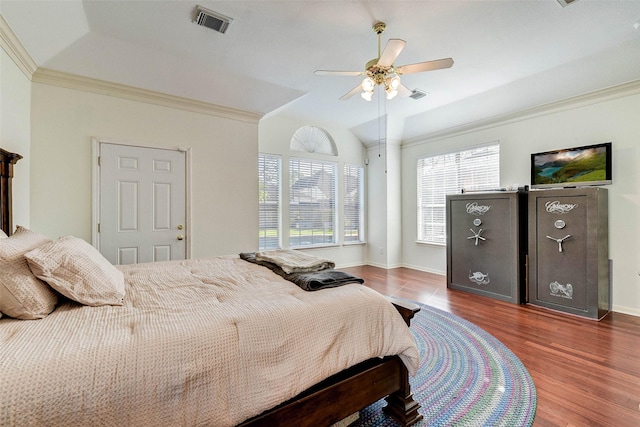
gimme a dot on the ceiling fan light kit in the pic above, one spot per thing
(381, 71)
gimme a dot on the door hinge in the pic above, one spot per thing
(99, 161)
(98, 227)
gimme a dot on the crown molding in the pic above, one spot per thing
(19, 55)
(12, 46)
(72, 81)
(619, 91)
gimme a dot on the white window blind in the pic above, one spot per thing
(312, 202)
(269, 172)
(353, 203)
(473, 169)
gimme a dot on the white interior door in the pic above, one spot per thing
(142, 204)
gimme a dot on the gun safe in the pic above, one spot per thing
(487, 243)
(569, 250)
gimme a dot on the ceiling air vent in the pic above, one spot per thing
(565, 3)
(210, 19)
(417, 94)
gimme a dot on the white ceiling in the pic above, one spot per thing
(509, 55)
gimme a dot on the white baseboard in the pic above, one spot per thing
(626, 310)
(426, 270)
(386, 267)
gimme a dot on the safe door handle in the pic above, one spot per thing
(559, 241)
(476, 236)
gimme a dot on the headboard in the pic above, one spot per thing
(7, 160)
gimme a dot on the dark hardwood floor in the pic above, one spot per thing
(587, 373)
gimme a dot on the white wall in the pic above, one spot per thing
(394, 206)
(15, 112)
(384, 215)
(275, 137)
(224, 173)
(377, 206)
(614, 120)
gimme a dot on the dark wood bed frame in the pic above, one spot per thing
(7, 160)
(325, 403)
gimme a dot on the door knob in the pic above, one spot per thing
(180, 237)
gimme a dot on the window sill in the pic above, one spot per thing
(330, 245)
(438, 245)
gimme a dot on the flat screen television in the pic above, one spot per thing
(572, 167)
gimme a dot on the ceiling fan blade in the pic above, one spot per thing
(438, 64)
(338, 73)
(391, 52)
(351, 93)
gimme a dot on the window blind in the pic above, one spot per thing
(269, 173)
(312, 202)
(353, 204)
(473, 169)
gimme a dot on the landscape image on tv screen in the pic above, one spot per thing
(580, 165)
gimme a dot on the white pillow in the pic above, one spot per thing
(78, 271)
(22, 295)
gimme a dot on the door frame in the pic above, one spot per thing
(96, 186)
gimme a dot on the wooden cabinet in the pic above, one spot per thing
(569, 250)
(486, 244)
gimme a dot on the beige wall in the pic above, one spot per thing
(15, 111)
(614, 120)
(223, 167)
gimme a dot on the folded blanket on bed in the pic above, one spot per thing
(294, 261)
(313, 281)
(322, 279)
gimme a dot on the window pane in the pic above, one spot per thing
(353, 202)
(269, 171)
(312, 204)
(474, 169)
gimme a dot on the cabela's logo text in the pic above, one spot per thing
(474, 208)
(557, 207)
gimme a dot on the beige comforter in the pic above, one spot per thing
(211, 341)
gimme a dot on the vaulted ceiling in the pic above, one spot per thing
(509, 55)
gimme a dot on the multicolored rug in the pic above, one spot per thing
(466, 378)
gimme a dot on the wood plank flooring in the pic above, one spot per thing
(586, 373)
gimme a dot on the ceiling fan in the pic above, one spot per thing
(381, 71)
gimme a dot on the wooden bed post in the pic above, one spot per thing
(7, 160)
(400, 405)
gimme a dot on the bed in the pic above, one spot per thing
(213, 341)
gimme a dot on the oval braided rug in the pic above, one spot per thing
(466, 377)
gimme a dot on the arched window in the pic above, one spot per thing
(312, 139)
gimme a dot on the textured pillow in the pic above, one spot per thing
(22, 295)
(3, 235)
(78, 271)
